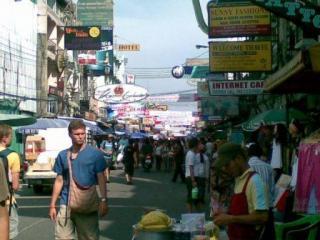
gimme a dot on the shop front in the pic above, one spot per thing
(300, 75)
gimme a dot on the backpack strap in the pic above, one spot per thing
(247, 181)
(4, 156)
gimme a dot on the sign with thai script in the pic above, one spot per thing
(303, 13)
(120, 93)
(242, 87)
(82, 38)
(234, 21)
(248, 56)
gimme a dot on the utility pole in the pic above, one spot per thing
(41, 74)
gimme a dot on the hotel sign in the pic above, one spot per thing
(234, 21)
(248, 56)
(302, 13)
(235, 88)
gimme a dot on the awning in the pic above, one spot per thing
(300, 75)
(43, 123)
(16, 119)
(200, 72)
(272, 117)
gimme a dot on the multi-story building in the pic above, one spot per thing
(18, 52)
(53, 70)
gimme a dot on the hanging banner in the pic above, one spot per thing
(120, 93)
(248, 56)
(234, 88)
(237, 21)
(82, 38)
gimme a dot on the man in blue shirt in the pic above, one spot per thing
(88, 165)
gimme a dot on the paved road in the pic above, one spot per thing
(150, 190)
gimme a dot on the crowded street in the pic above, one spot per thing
(159, 120)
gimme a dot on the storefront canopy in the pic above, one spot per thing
(272, 117)
(16, 119)
(300, 75)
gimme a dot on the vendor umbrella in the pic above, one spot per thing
(272, 117)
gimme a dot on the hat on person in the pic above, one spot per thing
(227, 152)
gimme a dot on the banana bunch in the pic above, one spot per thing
(154, 221)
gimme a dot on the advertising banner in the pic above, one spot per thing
(237, 21)
(120, 93)
(248, 56)
(243, 87)
(82, 38)
(95, 12)
(305, 14)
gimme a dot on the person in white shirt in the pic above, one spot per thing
(190, 172)
(201, 172)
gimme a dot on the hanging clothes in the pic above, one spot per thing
(308, 178)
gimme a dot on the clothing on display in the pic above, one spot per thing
(276, 156)
(307, 178)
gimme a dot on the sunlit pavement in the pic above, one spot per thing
(127, 204)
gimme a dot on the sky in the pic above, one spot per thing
(167, 31)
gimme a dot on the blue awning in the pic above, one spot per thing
(43, 123)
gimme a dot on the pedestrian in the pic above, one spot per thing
(4, 195)
(266, 173)
(248, 209)
(128, 161)
(190, 173)
(201, 173)
(79, 169)
(107, 147)
(159, 154)
(178, 156)
(11, 162)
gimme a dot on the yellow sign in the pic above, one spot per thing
(129, 47)
(240, 56)
(238, 21)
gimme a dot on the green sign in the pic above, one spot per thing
(303, 13)
(95, 12)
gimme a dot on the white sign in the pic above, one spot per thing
(120, 93)
(242, 87)
(130, 78)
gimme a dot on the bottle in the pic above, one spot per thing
(194, 193)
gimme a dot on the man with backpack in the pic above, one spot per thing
(11, 163)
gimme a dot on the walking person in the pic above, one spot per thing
(159, 154)
(4, 195)
(178, 157)
(201, 173)
(11, 163)
(79, 169)
(128, 161)
(248, 209)
(107, 147)
(190, 172)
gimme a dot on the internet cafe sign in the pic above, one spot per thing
(247, 56)
(234, 88)
(302, 12)
(234, 21)
(120, 93)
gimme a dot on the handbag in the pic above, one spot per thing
(81, 199)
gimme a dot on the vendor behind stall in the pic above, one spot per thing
(248, 209)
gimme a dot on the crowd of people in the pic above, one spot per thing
(238, 181)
